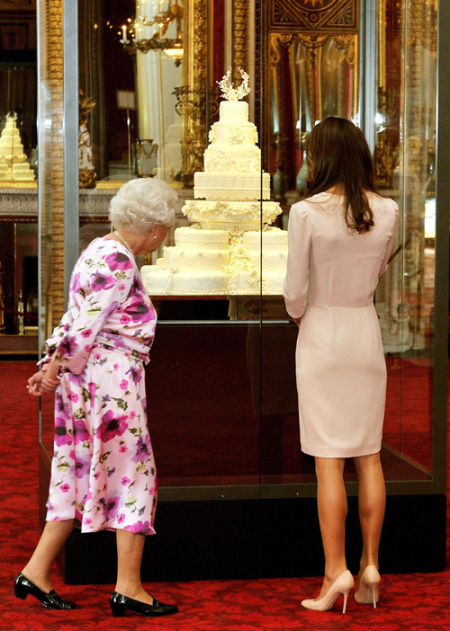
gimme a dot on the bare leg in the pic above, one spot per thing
(53, 537)
(332, 507)
(129, 554)
(372, 505)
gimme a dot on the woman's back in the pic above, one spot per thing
(343, 266)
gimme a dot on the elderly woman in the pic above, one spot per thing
(103, 472)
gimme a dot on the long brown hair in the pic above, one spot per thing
(338, 154)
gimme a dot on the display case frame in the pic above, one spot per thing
(260, 528)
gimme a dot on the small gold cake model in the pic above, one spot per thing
(13, 161)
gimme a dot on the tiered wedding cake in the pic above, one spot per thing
(221, 252)
(13, 161)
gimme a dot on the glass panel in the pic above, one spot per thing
(405, 162)
(150, 98)
(51, 193)
(315, 76)
(312, 75)
(223, 359)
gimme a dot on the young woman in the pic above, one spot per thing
(340, 240)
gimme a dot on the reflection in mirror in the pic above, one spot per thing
(130, 66)
(405, 158)
(18, 87)
(310, 78)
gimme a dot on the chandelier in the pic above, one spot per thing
(132, 33)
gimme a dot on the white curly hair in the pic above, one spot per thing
(140, 204)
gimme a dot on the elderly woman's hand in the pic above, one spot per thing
(44, 381)
(50, 380)
(34, 385)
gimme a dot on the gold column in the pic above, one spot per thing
(192, 95)
(240, 38)
(52, 212)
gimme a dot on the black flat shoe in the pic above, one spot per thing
(119, 604)
(23, 587)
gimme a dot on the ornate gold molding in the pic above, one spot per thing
(240, 38)
(52, 211)
(314, 15)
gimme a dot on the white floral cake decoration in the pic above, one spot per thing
(230, 93)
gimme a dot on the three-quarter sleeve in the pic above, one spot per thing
(295, 289)
(391, 240)
(97, 289)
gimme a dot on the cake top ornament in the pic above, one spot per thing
(230, 93)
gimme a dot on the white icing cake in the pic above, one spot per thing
(13, 161)
(221, 253)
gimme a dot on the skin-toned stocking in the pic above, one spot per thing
(332, 507)
(38, 568)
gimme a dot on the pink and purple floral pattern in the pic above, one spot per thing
(103, 470)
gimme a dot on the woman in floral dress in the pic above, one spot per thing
(103, 471)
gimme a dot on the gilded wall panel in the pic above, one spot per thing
(314, 15)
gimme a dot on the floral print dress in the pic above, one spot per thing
(103, 472)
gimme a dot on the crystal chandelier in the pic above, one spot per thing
(168, 12)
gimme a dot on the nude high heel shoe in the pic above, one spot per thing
(368, 587)
(342, 585)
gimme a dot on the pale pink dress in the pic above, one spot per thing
(332, 274)
(103, 471)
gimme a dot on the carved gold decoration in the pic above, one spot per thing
(87, 178)
(192, 107)
(53, 216)
(197, 102)
(87, 174)
(240, 36)
(315, 15)
(423, 24)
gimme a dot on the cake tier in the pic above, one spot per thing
(200, 283)
(233, 112)
(273, 282)
(272, 239)
(157, 279)
(193, 237)
(231, 216)
(244, 283)
(233, 134)
(271, 261)
(10, 133)
(212, 186)
(12, 173)
(199, 260)
(222, 158)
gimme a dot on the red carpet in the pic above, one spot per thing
(417, 602)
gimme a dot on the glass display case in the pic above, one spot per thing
(237, 497)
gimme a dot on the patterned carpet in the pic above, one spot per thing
(417, 602)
